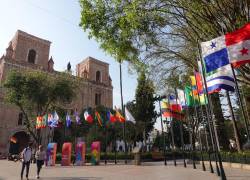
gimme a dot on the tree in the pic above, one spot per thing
(145, 114)
(163, 35)
(35, 92)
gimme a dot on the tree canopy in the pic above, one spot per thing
(161, 34)
(36, 92)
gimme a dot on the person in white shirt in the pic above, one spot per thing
(26, 158)
(40, 157)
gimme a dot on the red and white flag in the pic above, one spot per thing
(238, 46)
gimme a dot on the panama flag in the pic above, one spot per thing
(231, 48)
(88, 117)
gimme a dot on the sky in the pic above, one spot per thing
(57, 21)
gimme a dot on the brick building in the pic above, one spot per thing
(26, 51)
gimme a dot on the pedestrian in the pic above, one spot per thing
(26, 158)
(40, 157)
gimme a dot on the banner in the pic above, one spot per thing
(80, 153)
(95, 152)
(51, 154)
(66, 154)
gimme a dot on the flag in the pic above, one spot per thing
(44, 121)
(98, 118)
(119, 116)
(190, 100)
(13, 139)
(230, 48)
(78, 120)
(39, 120)
(199, 84)
(68, 120)
(222, 78)
(181, 97)
(88, 117)
(53, 120)
(129, 116)
(174, 105)
(167, 111)
(111, 117)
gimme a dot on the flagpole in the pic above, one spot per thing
(172, 136)
(190, 135)
(199, 101)
(122, 106)
(236, 131)
(163, 134)
(181, 133)
(197, 119)
(241, 106)
(222, 172)
(209, 131)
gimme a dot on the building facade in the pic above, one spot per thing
(26, 51)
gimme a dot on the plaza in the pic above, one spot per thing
(10, 170)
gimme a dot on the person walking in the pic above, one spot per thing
(26, 158)
(40, 157)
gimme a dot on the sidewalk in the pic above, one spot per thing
(148, 171)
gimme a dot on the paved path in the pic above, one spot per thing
(148, 171)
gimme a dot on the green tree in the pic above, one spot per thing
(145, 114)
(36, 92)
(163, 35)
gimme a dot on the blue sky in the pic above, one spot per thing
(57, 21)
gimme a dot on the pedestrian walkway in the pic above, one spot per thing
(10, 170)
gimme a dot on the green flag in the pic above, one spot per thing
(189, 97)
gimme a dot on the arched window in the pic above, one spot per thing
(32, 56)
(98, 76)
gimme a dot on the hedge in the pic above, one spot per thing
(234, 157)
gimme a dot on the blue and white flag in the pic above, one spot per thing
(68, 120)
(215, 54)
(218, 69)
(221, 78)
(78, 120)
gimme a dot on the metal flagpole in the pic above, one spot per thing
(181, 133)
(222, 172)
(124, 124)
(199, 101)
(209, 120)
(163, 134)
(241, 106)
(194, 166)
(172, 135)
(236, 131)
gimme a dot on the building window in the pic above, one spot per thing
(97, 99)
(98, 76)
(20, 119)
(32, 56)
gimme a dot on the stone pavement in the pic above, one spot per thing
(10, 170)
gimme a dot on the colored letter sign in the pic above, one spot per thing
(80, 153)
(51, 154)
(95, 151)
(66, 154)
